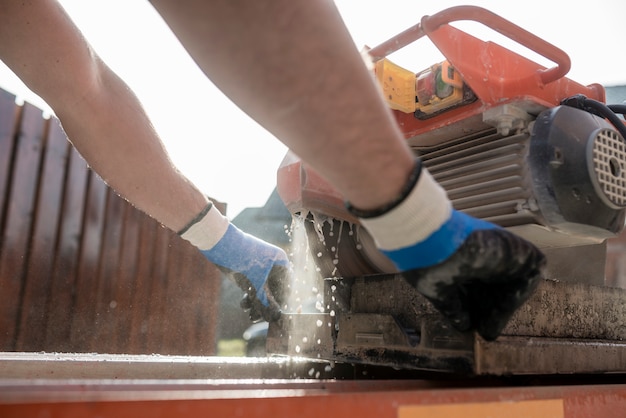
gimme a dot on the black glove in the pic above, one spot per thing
(484, 282)
(274, 289)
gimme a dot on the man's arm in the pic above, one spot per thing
(108, 126)
(293, 67)
(100, 114)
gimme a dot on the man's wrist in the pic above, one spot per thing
(206, 229)
(422, 212)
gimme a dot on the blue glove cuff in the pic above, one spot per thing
(440, 245)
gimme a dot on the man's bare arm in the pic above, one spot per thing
(293, 67)
(100, 114)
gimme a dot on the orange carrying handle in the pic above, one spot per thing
(429, 24)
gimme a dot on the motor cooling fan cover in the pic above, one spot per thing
(578, 162)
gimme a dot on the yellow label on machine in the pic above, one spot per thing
(398, 85)
(552, 408)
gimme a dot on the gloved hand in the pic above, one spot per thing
(474, 272)
(260, 269)
(490, 274)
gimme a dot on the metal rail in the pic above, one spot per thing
(96, 385)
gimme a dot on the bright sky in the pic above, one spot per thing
(233, 159)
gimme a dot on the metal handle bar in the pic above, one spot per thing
(429, 24)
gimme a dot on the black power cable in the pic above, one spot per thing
(582, 102)
(618, 108)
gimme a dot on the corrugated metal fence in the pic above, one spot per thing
(81, 270)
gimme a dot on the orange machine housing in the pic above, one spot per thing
(494, 75)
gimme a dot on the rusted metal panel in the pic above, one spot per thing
(9, 117)
(109, 259)
(195, 288)
(157, 302)
(86, 289)
(172, 337)
(18, 222)
(203, 279)
(139, 312)
(80, 268)
(193, 280)
(125, 280)
(60, 304)
(34, 310)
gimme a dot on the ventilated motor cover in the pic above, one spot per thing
(565, 173)
(579, 172)
(559, 183)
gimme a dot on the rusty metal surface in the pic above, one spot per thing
(306, 398)
(81, 270)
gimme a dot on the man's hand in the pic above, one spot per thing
(475, 273)
(483, 283)
(274, 289)
(260, 269)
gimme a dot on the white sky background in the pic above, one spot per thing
(232, 158)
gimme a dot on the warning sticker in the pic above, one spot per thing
(552, 408)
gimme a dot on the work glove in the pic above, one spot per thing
(260, 269)
(473, 272)
(490, 274)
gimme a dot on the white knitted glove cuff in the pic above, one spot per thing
(421, 213)
(208, 230)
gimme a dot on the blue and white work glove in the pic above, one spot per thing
(474, 272)
(260, 269)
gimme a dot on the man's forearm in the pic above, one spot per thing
(111, 130)
(293, 67)
(100, 114)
